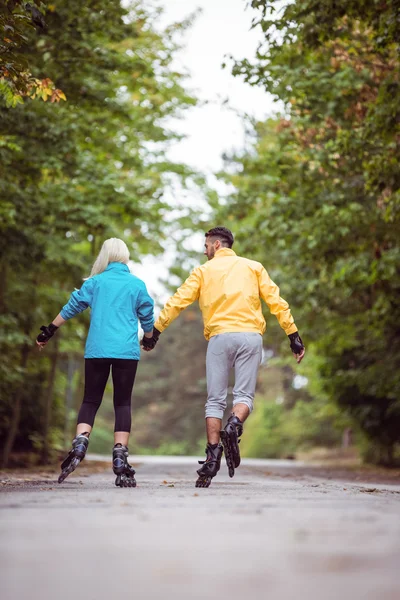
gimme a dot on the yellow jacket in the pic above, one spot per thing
(229, 289)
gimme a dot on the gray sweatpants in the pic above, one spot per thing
(239, 350)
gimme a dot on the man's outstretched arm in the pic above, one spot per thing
(269, 292)
(185, 295)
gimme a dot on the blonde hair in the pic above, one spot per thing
(112, 250)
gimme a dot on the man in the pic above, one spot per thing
(229, 289)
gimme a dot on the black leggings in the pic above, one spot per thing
(97, 371)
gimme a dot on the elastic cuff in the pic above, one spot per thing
(291, 329)
(246, 401)
(214, 413)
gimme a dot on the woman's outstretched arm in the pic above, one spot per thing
(49, 331)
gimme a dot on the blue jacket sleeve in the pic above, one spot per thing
(145, 310)
(79, 300)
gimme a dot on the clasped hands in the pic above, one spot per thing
(148, 343)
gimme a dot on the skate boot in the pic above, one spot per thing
(230, 441)
(122, 469)
(211, 465)
(75, 456)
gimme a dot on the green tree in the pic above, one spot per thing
(75, 173)
(318, 195)
(18, 20)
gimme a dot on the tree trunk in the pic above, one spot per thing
(347, 438)
(16, 413)
(49, 402)
(389, 455)
(3, 286)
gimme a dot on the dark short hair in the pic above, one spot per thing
(224, 235)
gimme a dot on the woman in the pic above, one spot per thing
(117, 300)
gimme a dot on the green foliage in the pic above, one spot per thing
(102, 437)
(288, 420)
(75, 173)
(311, 424)
(18, 21)
(318, 199)
(264, 437)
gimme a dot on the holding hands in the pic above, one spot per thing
(150, 340)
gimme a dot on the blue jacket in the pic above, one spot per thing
(117, 299)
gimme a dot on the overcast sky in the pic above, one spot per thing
(222, 28)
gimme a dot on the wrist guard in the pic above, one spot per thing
(47, 332)
(296, 343)
(149, 343)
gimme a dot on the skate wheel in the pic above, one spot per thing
(203, 482)
(70, 469)
(62, 477)
(228, 453)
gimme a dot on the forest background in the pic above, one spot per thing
(86, 90)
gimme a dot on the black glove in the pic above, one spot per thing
(48, 333)
(149, 343)
(296, 343)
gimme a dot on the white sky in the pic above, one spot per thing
(222, 28)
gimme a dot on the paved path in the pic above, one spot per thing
(266, 534)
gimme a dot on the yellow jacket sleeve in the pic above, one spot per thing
(184, 296)
(269, 292)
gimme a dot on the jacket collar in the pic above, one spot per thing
(117, 266)
(224, 252)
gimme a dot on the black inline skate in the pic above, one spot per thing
(211, 465)
(230, 441)
(75, 456)
(122, 469)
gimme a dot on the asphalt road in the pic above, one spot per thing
(270, 533)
